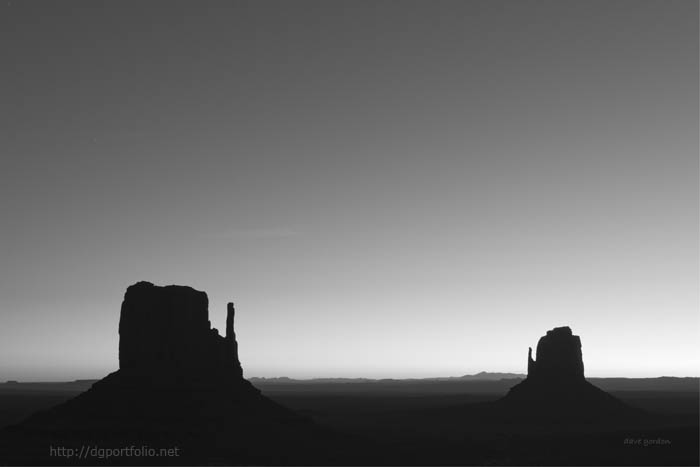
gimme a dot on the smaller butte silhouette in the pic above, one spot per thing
(556, 387)
(179, 384)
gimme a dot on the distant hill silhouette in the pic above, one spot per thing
(179, 384)
(481, 376)
(662, 383)
(488, 376)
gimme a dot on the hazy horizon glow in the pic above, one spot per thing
(384, 189)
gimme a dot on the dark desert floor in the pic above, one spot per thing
(443, 422)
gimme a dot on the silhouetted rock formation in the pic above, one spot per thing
(555, 385)
(185, 345)
(179, 384)
(558, 357)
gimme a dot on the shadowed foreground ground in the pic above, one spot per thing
(423, 422)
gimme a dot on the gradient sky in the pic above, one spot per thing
(384, 188)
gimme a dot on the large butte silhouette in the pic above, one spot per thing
(556, 387)
(179, 384)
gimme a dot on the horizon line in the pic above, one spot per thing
(315, 378)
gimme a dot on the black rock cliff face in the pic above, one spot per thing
(555, 386)
(179, 383)
(167, 330)
(558, 357)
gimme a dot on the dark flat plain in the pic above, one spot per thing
(429, 422)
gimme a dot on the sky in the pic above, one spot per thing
(384, 188)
